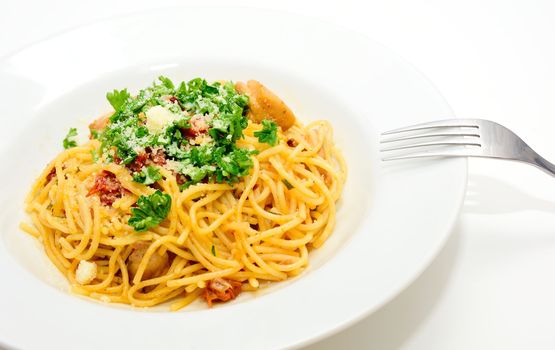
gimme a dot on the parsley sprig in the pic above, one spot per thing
(69, 142)
(268, 134)
(150, 211)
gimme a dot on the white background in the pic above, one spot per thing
(493, 285)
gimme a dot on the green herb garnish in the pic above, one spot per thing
(118, 99)
(94, 154)
(150, 211)
(95, 134)
(166, 82)
(287, 184)
(213, 250)
(147, 176)
(268, 134)
(219, 106)
(68, 140)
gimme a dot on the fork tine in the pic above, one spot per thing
(452, 152)
(429, 144)
(447, 123)
(404, 138)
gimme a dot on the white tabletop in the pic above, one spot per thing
(492, 286)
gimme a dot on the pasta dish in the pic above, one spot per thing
(187, 191)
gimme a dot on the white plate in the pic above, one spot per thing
(391, 221)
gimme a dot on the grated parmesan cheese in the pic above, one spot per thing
(172, 165)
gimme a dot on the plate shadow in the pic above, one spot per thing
(488, 195)
(393, 324)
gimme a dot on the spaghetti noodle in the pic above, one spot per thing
(217, 239)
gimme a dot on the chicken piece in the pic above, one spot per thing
(264, 104)
(156, 266)
(100, 123)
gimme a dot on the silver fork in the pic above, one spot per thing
(460, 138)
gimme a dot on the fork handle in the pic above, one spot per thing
(542, 163)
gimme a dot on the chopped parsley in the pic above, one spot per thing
(213, 250)
(150, 211)
(95, 134)
(69, 142)
(268, 134)
(167, 116)
(147, 176)
(94, 154)
(287, 184)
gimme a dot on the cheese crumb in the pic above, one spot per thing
(86, 272)
(202, 139)
(158, 117)
(172, 165)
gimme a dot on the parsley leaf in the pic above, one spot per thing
(68, 140)
(268, 134)
(118, 99)
(147, 176)
(213, 250)
(150, 211)
(228, 127)
(166, 82)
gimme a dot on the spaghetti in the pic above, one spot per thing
(218, 238)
